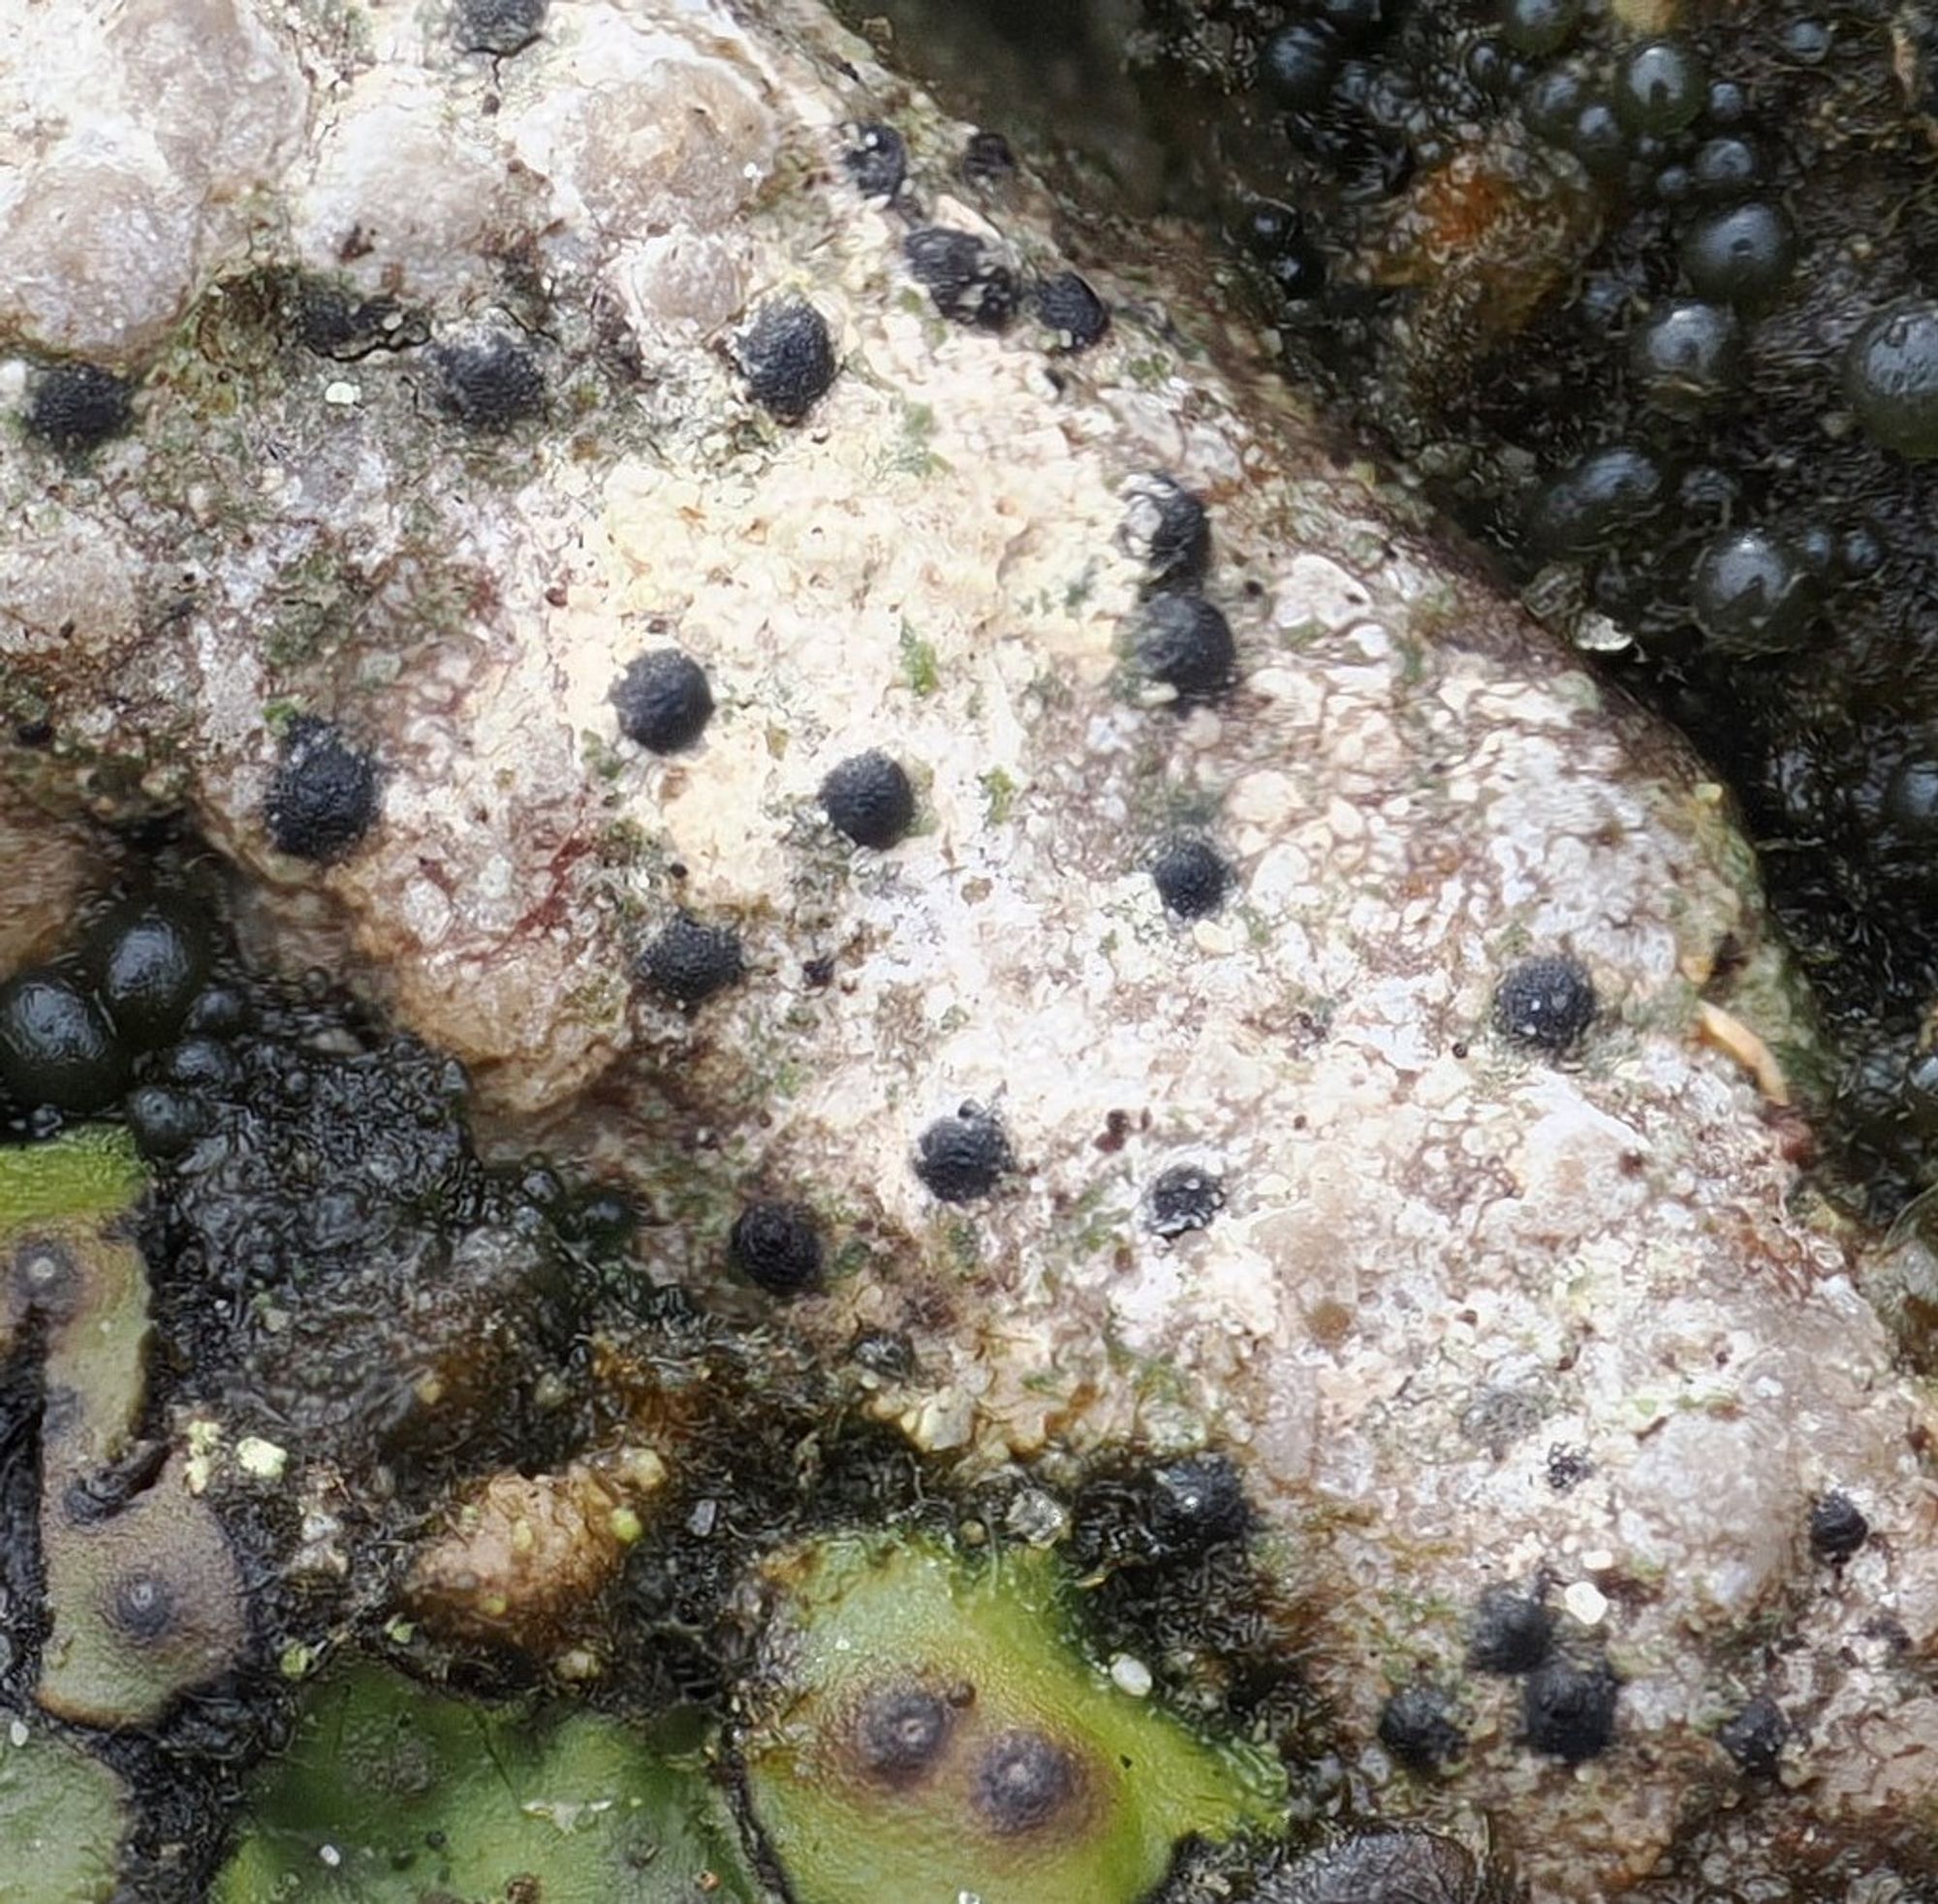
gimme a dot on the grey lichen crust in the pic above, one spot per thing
(1442, 1251)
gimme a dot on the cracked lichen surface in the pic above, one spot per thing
(1438, 1255)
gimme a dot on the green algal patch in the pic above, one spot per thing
(919, 665)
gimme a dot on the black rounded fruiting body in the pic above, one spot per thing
(1659, 86)
(1066, 305)
(899, 1733)
(662, 700)
(1537, 29)
(986, 158)
(1687, 355)
(1023, 1781)
(1185, 1198)
(1567, 1708)
(1166, 528)
(56, 1046)
(1419, 1728)
(1603, 496)
(1191, 878)
(1512, 1632)
(787, 357)
(163, 1120)
(1837, 1527)
(777, 1247)
(492, 384)
(75, 406)
(149, 958)
(876, 161)
(1755, 1737)
(1185, 644)
(325, 794)
(1740, 255)
(962, 1157)
(497, 26)
(689, 961)
(964, 280)
(1549, 1003)
(1890, 378)
(1194, 1505)
(1753, 594)
(869, 798)
(1299, 64)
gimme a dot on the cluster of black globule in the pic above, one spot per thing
(1651, 315)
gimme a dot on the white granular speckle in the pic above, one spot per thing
(1131, 1676)
(1586, 1602)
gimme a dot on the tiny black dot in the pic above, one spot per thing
(1191, 878)
(1066, 305)
(777, 1247)
(787, 357)
(1755, 1735)
(869, 798)
(900, 1732)
(325, 795)
(1185, 1198)
(1837, 1527)
(1418, 1726)
(961, 1157)
(76, 406)
(662, 700)
(1184, 643)
(690, 961)
(1510, 1632)
(964, 280)
(876, 161)
(490, 385)
(1569, 1709)
(1549, 1003)
(1023, 1781)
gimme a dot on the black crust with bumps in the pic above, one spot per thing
(497, 26)
(75, 406)
(777, 1247)
(876, 161)
(1547, 1002)
(689, 961)
(1567, 1708)
(1185, 642)
(1388, 1864)
(662, 700)
(1067, 305)
(1166, 528)
(1419, 1728)
(1755, 1737)
(1185, 1198)
(1191, 878)
(1838, 1527)
(325, 795)
(962, 1157)
(869, 798)
(1194, 1505)
(964, 281)
(1510, 1633)
(492, 384)
(787, 357)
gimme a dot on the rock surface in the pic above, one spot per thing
(1473, 1310)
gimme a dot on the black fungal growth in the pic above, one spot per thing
(690, 961)
(498, 26)
(1755, 1737)
(56, 1046)
(1191, 878)
(1194, 1505)
(1066, 305)
(662, 700)
(900, 1732)
(492, 384)
(1512, 1632)
(964, 280)
(325, 795)
(143, 1608)
(1837, 1527)
(986, 158)
(1547, 1002)
(1185, 644)
(1387, 1865)
(787, 357)
(1023, 1781)
(1185, 1198)
(1567, 1708)
(1166, 528)
(960, 1158)
(1419, 1728)
(777, 1247)
(869, 798)
(76, 406)
(876, 161)
(149, 958)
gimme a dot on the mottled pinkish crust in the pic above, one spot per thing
(1440, 1254)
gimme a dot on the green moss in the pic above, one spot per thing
(918, 662)
(93, 1172)
(392, 1795)
(62, 1819)
(934, 1729)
